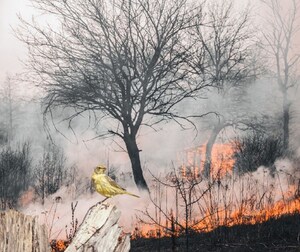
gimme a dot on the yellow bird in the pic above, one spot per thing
(105, 185)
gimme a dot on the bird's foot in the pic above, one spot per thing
(104, 204)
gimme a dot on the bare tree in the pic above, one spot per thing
(280, 38)
(121, 58)
(188, 193)
(221, 56)
(9, 108)
(15, 174)
(51, 172)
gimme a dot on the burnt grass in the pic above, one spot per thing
(281, 234)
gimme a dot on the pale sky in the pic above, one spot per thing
(12, 50)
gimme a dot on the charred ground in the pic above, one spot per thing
(276, 234)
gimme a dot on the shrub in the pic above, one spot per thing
(256, 150)
(15, 174)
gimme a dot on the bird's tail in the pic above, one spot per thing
(132, 194)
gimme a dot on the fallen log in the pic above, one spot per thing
(99, 232)
(22, 233)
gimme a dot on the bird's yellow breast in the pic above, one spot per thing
(102, 186)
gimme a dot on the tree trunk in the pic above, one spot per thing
(186, 227)
(22, 233)
(134, 155)
(173, 234)
(99, 232)
(286, 122)
(208, 149)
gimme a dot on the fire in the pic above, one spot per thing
(245, 216)
(192, 160)
(238, 217)
(226, 199)
(59, 245)
(147, 231)
(222, 160)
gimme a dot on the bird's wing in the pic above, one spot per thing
(93, 182)
(113, 183)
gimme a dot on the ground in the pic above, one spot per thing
(282, 234)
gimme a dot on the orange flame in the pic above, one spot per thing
(258, 203)
(59, 245)
(238, 217)
(222, 161)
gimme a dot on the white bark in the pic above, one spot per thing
(22, 233)
(99, 231)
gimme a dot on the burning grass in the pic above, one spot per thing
(59, 245)
(185, 206)
(183, 202)
(197, 208)
(275, 234)
(192, 160)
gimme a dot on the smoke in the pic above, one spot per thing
(159, 148)
(56, 212)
